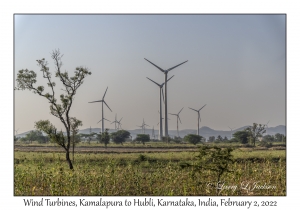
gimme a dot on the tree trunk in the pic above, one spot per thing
(69, 160)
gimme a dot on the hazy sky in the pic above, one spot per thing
(236, 65)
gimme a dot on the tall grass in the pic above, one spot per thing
(139, 174)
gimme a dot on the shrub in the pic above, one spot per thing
(193, 138)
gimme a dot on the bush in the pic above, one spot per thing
(120, 136)
(142, 138)
(193, 138)
(265, 144)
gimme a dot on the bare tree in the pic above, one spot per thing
(26, 80)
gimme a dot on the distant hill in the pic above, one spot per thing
(204, 131)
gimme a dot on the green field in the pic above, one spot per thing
(162, 174)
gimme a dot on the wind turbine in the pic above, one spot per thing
(166, 101)
(267, 127)
(153, 133)
(102, 108)
(177, 120)
(116, 121)
(144, 125)
(231, 131)
(161, 93)
(16, 132)
(119, 123)
(198, 116)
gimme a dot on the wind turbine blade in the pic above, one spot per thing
(99, 121)
(180, 110)
(173, 114)
(193, 109)
(170, 78)
(176, 66)
(107, 105)
(104, 94)
(179, 119)
(157, 123)
(120, 120)
(112, 122)
(155, 65)
(163, 94)
(153, 81)
(106, 119)
(95, 101)
(202, 107)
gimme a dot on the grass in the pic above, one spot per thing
(37, 173)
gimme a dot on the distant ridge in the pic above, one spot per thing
(204, 131)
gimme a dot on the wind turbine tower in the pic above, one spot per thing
(231, 131)
(161, 93)
(144, 125)
(199, 119)
(102, 108)
(116, 121)
(177, 120)
(166, 101)
(16, 132)
(119, 124)
(267, 127)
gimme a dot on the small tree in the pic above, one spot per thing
(193, 138)
(241, 136)
(143, 138)
(219, 138)
(268, 138)
(255, 131)
(120, 136)
(279, 137)
(211, 139)
(74, 129)
(26, 80)
(215, 159)
(104, 137)
(88, 136)
(35, 135)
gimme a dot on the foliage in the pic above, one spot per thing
(142, 138)
(120, 136)
(241, 136)
(215, 159)
(88, 136)
(193, 138)
(26, 80)
(177, 139)
(219, 138)
(255, 131)
(104, 137)
(268, 138)
(154, 174)
(265, 144)
(211, 139)
(35, 135)
(279, 137)
(166, 139)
